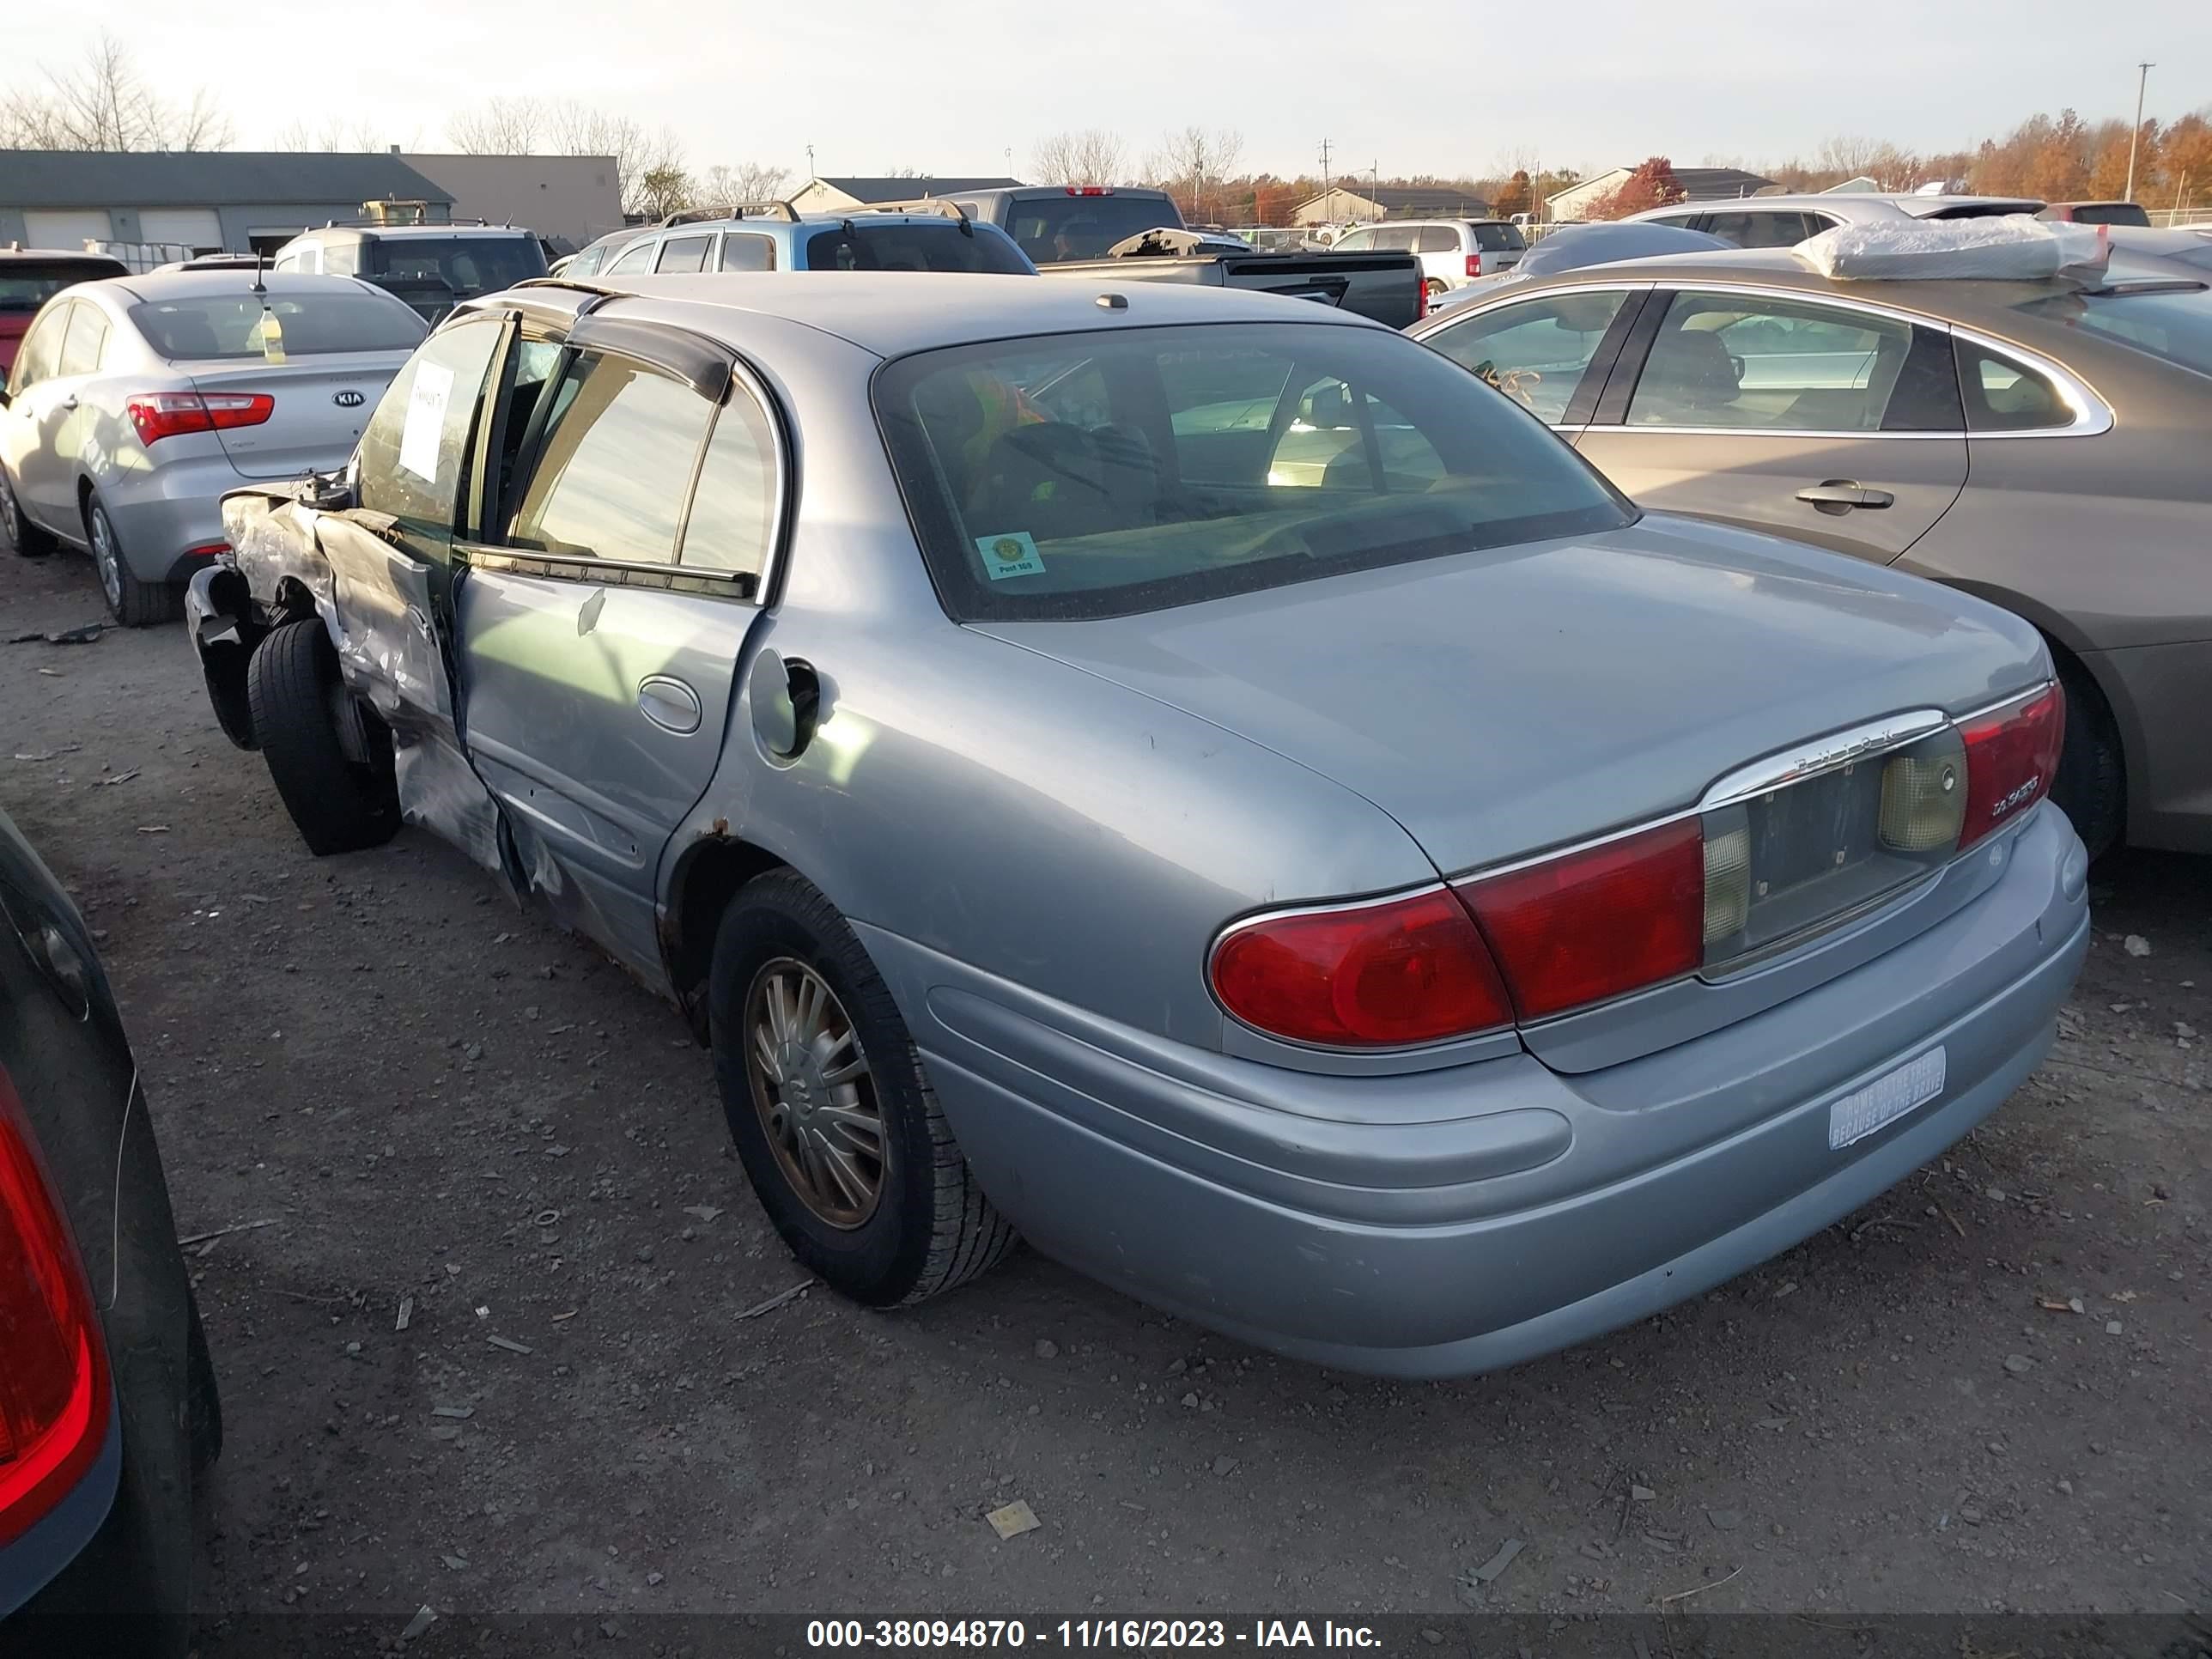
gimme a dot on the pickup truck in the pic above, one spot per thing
(1090, 231)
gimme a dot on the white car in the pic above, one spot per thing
(1786, 220)
(136, 402)
(1453, 252)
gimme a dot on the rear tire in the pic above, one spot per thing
(2092, 785)
(927, 1226)
(341, 791)
(25, 539)
(133, 602)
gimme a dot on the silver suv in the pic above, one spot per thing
(1453, 252)
(1786, 220)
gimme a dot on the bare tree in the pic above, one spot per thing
(1092, 156)
(1190, 164)
(104, 105)
(334, 135)
(498, 126)
(724, 185)
(577, 128)
(1846, 156)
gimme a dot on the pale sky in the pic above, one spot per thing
(948, 86)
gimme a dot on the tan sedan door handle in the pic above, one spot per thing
(1835, 495)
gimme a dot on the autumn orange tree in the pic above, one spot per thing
(1652, 184)
(1515, 195)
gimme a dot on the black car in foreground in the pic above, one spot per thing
(108, 1408)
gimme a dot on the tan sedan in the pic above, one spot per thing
(2042, 445)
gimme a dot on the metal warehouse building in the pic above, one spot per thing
(208, 201)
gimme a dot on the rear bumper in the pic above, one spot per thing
(35, 1559)
(1447, 1221)
(159, 515)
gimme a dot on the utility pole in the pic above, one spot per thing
(1327, 181)
(2135, 132)
(810, 161)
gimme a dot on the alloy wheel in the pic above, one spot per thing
(814, 1093)
(106, 556)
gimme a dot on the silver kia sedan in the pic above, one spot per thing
(1194, 779)
(136, 402)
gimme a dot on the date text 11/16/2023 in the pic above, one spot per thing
(1083, 1633)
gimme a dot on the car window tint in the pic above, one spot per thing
(1535, 352)
(1438, 238)
(1398, 239)
(1722, 359)
(930, 244)
(341, 259)
(1498, 238)
(1766, 229)
(731, 523)
(1354, 241)
(747, 251)
(414, 451)
(636, 259)
(40, 353)
(1374, 452)
(2005, 396)
(685, 253)
(86, 339)
(202, 326)
(2170, 321)
(535, 359)
(615, 464)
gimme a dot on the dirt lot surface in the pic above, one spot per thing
(1988, 1390)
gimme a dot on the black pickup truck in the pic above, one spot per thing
(1093, 231)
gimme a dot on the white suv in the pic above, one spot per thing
(1453, 252)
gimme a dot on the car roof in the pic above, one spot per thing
(1843, 203)
(50, 255)
(893, 312)
(418, 230)
(185, 284)
(761, 222)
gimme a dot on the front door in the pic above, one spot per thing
(1828, 424)
(600, 623)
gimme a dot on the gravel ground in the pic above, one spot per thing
(1988, 1390)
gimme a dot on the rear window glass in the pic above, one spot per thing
(230, 326)
(1053, 227)
(468, 265)
(2170, 321)
(1498, 238)
(27, 284)
(1107, 474)
(933, 245)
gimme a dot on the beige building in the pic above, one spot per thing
(842, 195)
(1342, 206)
(572, 197)
(1698, 184)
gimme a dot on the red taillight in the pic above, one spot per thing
(159, 415)
(1594, 923)
(53, 1368)
(1475, 265)
(1404, 970)
(1421, 303)
(2012, 754)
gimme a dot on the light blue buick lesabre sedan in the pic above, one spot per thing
(1195, 779)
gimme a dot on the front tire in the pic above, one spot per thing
(133, 602)
(25, 539)
(834, 1119)
(330, 759)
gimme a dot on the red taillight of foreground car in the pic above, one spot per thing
(53, 1367)
(1398, 971)
(1594, 923)
(1475, 265)
(2012, 754)
(158, 415)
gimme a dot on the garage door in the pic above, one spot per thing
(66, 230)
(194, 228)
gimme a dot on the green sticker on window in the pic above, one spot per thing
(1011, 555)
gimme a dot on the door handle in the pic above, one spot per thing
(669, 704)
(1838, 496)
(1872, 498)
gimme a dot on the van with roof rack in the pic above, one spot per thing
(776, 236)
(433, 267)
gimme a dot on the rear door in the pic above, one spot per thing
(601, 619)
(1834, 424)
(42, 399)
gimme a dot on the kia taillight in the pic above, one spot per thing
(2012, 754)
(1403, 971)
(1592, 924)
(1475, 265)
(158, 415)
(53, 1367)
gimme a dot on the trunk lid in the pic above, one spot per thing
(322, 403)
(1498, 704)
